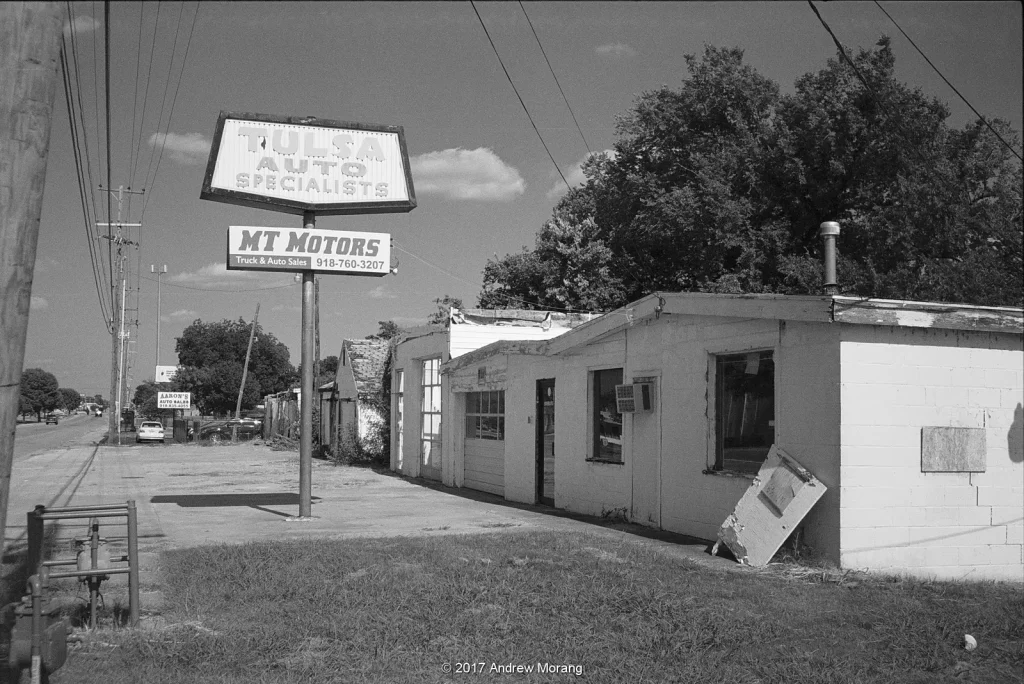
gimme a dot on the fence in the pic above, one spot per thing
(281, 417)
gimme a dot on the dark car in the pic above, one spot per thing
(52, 418)
(220, 430)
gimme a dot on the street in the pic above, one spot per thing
(34, 438)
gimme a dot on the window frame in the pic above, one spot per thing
(716, 461)
(495, 399)
(594, 442)
(399, 413)
(434, 439)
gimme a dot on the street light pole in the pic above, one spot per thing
(152, 269)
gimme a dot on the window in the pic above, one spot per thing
(485, 415)
(430, 414)
(606, 420)
(744, 410)
(399, 415)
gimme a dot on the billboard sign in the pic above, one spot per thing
(166, 373)
(174, 400)
(257, 248)
(299, 164)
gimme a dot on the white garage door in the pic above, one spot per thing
(485, 442)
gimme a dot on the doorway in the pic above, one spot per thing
(546, 442)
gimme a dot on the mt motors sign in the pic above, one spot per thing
(300, 164)
(308, 249)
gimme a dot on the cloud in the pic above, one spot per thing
(188, 148)
(38, 304)
(217, 275)
(82, 24)
(380, 292)
(615, 50)
(574, 176)
(180, 313)
(466, 174)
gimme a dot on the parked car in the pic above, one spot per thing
(150, 431)
(52, 418)
(220, 430)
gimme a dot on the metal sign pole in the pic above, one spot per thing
(306, 397)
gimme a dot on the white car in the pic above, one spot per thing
(150, 431)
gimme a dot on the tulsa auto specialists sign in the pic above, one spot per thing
(300, 164)
(257, 248)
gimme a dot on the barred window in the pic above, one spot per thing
(485, 415)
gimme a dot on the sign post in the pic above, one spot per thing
(311, 167)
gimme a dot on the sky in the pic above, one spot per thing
(484, 182)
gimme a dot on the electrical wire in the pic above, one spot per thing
(145, 97)
(564, 98)
(163, 100)
(82, 141)
(174, 99)
(936, 69)
(82, 189)
(528, 116)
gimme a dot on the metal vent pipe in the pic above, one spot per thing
(829, 233)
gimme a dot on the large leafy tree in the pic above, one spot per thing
(720, 186)
(70, 399)
(211, 358)
(39, 392)
(145, 398)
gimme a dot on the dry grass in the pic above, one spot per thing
(399, 610)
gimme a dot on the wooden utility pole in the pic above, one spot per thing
(245, 368)
(29, 63)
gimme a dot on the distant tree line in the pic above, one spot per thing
(41, 394)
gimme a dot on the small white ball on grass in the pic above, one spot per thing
(970, 643)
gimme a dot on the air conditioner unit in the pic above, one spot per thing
(634, 398)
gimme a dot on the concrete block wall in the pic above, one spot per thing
(896, 518)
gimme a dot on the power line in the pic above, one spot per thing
(976, 112)
(82, 187)
(564, 98)
(174, 99)
(539, 136)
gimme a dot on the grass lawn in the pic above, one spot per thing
(403, 610)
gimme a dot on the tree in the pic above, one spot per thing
(70, 399)
(386, 331)
(444, 307)
(145, 398)
(721, 185)
(39, 392)
(211, 358)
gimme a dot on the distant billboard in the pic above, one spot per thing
(174, 400)
(256, 248)
(299, 164)
(166, 373)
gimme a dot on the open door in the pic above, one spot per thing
(546, 442)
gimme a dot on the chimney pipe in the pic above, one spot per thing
(829, 233)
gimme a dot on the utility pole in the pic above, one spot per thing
(117, 332)
(152, 269)
(245, 367)
(29, 64)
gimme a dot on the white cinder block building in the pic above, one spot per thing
(419, 393)
(912, 414)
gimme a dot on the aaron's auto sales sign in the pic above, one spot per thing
(257, 248)
(296, 164)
